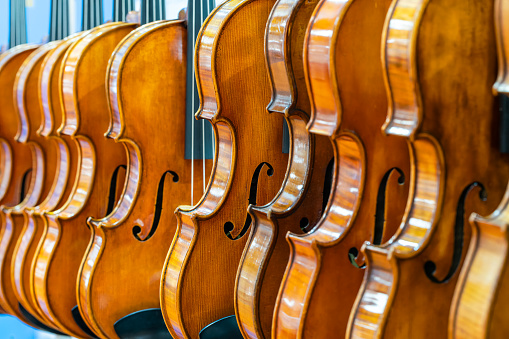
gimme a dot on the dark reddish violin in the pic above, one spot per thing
(367, 201)
(479, 308)
(302, 198)
(439, 60)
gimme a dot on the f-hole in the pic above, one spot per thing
(379, 213)
(253, 191)
(158, 207)
(327, 184)
(25, 184)
(327, 187)
(113, 189)
(430, 267)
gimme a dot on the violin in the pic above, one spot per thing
(198, 278)
(439, 65)
(478, 309)
(147, 96)
(16, 169)
(300, 202)
(367, 201)
(58, 151)
(97, 180)
(45, 167)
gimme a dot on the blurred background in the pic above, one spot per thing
(37, 19)
(38, 15)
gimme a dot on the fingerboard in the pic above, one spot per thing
(59, 20)
(92, 15)
(199, 135)
(17, 23)
(121, 8)
(152, 10)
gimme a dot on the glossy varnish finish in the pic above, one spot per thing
(47, 163)
(52, 114)
(17, 162)
(300, 201)
(85, 120)
(345, 81)
(199, 275)
(147, 84)
(479, 308)
(439, 58)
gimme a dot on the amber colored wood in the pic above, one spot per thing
(16, 164)
(121, 271)
(55, 149)
(85, 121)
(300, 201)
(345, 83)
(198, 279)
(46, 164)
(439, 59)
(479, 308)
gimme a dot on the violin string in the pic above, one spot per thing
(191, 25)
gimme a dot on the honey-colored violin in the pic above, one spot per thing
(95, 184)
(345, 82)
(300, 202)
(478, 308)
(198, 279)
(147, 95)
(439, 61)
(17, 162)
(66, 164)
(47, 164)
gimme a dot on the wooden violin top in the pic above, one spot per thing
(147, 96)
(17, 161)
(199, 274)
(369, 190)
(440, 99)
(95, 183)
(477, 309)
(300, 201)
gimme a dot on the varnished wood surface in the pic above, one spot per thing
(478, 308)
(85, 121)
(199, 275)
(52, 115)
(17, 159)
(147, 91)
(345, 81)
(439, 58)
(300, 200)
(47, 165)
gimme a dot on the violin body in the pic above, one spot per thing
(121, 271)
(198, 278)
(300, 202)
(478, 308)
(95, 184)
(345, 84)
(439, 61)
(17, 160)
(48, 162)
(66, 166)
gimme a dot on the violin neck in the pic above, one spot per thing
(92, 14)
(152, 10)
(121, 8)
(18, 26)
(59, 20)
(199, 135)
